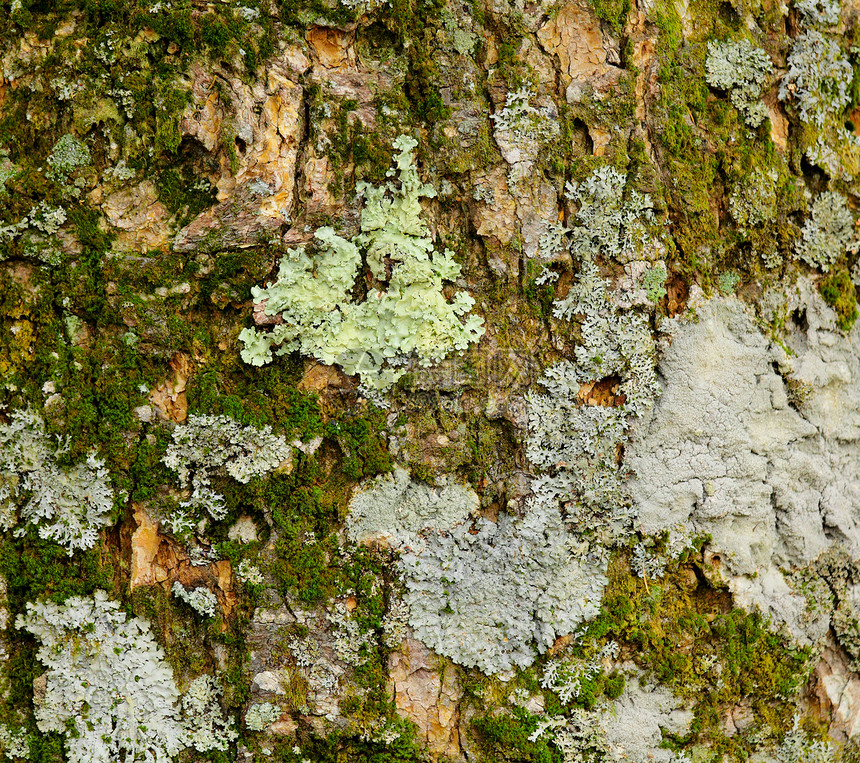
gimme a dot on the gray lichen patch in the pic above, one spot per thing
(635, 723)
(492, 595)
(395, 508)
(725, 453)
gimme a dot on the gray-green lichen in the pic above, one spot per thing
(109, 690)
(818, 79)
(395, 508)
(261, 715)
(611, 223)
(828, 233)
(576, 445)
(405, 313)
(492, 596)
(723, 452)
(67, 504)
(200, 599)
(823, 13)
(742, 71)
(753, 201)
(67, 155)
(209, 446)
(204, 725)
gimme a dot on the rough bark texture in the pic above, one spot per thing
(618, 521)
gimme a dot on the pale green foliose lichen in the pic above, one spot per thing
(350, 641)
(565, 676)
(822, 13)
(68, 154)
(612, 223)
(109, 690)
(46, 219)
(261, 715)
(753, 201)
(15, 745)
(208, 446)
(799, 747)
(249, 573)
(394, 507)
(394, 624)
(654, 283)
(577, 445)
(201, 599)
(68, 504)
(524, 123)
(727, 282)
(405, 313)
(827, 233)
(204, 725)
(742, 70)
(488, 596)
(819, 78)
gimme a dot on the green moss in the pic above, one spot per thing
(614, 685)
(170, 101)
(415, 23)
(303, 13)
(82, 279)
(838, 291)
(679, 628)
(614, 12)
(340, 746)
(354, 153)
(690, 170)
(505, 737)
(258, 397)
(173, 22)
(34, 568)
(216, 32)
(184, 195)
(365, 452)
(183, 637)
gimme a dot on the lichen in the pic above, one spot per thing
(742, 70)
(67, 155)
(67, 504)
(617, 225)
(822, 13)
(752, 201)
(654, 283)
(523, 123)
(827, 233)
(410, 318)
(109, 690)
(398, 509)
(15, 745)
(819, 78)
(727, 282)
(249, 573)
(798, 747)
(209, 446)
(577, 445)
(261, 715)
(711, 456)
(200, 599)
(203, 723)
(350, 641)
(488, 596)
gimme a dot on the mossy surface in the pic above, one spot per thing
(839, 292)
(96, 332)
